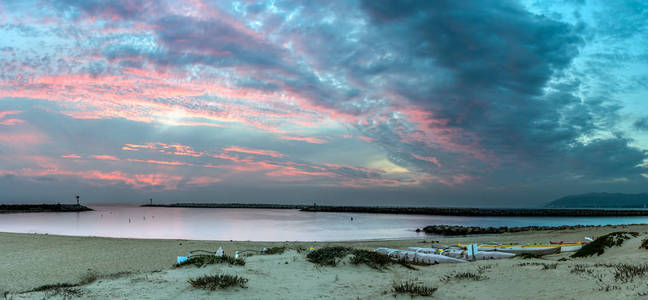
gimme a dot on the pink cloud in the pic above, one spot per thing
(160, 162)
(431, 159)
(238, 149)
(203, 181)
(138, 181)
(22, 139)
(71, 156)
(10, 121)
(104, 157)
(456, 179)
(366, 138)
(303, 139)
(6, 113)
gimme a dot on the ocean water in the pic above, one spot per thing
(259, 224)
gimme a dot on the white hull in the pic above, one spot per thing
(531, 248)
(412, 256)
(462, 254)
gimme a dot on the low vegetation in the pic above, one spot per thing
(545, 266)
(529, 255)
(202, 260)
(598, 246)
(476, 276)
(627, 273)
(275, 250)
(218, 282)
(413, 289)
(328, 256)
(331, 256)
(66, 290)
(644, 244)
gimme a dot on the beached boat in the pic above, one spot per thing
(564, 247)
(542, 249)
(527, 249)
(568, 247)
(463, 254)
(413, 256)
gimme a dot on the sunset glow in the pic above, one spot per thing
(439, 103)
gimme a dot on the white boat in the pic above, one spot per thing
(568, 247)
(522, 249)
(413, 256)
(463, 254)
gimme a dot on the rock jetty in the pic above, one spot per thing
(467, 230)
(27, 208)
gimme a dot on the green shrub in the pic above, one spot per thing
(202, 260)
(328, 256)
(464, 275)
(218, 282)
(599, 245)
(626, 273)
(412, 289)
(372, 259)
(275, 250)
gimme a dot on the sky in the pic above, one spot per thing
(395, 102)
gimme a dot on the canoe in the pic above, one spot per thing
(526, 248)
(536, 250)
(570, 247)
(563, 247)
(424, 258)
(463, 254)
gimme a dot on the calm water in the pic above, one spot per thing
(258, 224)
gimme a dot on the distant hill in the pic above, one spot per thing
(601, 200)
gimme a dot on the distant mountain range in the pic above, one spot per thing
(601, 200)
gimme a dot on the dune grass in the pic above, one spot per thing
(275, 250)
(545, 266)
(627, 273)
(644, 244)
(328, 256)
(598, 246)
(202, 260)
(475, 276)
(218, 282)
(413, 289)
(331, 256)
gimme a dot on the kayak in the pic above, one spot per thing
(463, 254)
(413, 256)
(527, 249)
(500, 247)
(571, 247)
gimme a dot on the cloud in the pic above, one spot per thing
(641, 124)
(437, 94)
(100, 157)
(238, 149)
(311, 140)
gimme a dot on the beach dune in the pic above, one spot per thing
(142, 269)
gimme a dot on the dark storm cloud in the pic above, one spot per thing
(607, 158)
(500, 58)
(641, 124)
(112, 9)
(214, 42)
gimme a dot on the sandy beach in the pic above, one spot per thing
(143, 269)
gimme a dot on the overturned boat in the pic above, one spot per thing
(464, 254)
(413, 256)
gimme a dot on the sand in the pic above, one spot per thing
(31, 260)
